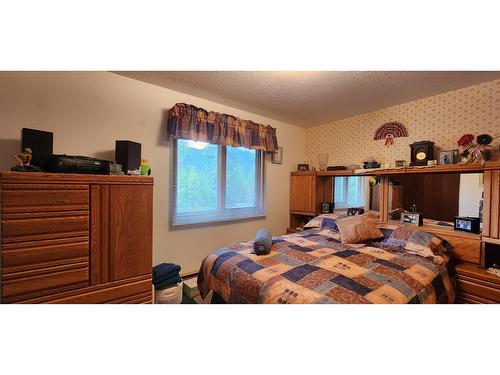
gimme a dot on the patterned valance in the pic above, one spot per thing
(189, 122)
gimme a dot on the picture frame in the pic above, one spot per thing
(412, 218)
(467, 224)
(355, 211)
(302, 167)
(326, 207)
(277, 156)
(448, 157)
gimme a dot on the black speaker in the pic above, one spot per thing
(40, 142)
(128, 154)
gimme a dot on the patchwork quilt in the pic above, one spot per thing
(312, 266)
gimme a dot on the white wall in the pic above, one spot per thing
(470, 193)
(88, 111)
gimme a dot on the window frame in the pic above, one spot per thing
(345, 188)
(222, 214)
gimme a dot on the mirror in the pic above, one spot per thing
(351, 192)
(437, 196)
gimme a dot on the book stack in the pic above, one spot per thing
(191, 287)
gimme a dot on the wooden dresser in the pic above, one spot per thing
(72, 238)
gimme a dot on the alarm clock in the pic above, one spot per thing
(421, 152)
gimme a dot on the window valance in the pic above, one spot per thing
(186, 121)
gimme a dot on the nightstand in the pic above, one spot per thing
(476, 285)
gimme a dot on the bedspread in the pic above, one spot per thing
(313, 267)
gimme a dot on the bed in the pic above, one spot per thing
(313, 266)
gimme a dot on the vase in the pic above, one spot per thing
(323, 161)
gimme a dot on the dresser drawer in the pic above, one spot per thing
(25, 256)
(19, 198)
(19, 286)
(134, 290)
(24, 230)
(484, 290)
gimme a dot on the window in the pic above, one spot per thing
(216, 183)
(349, 192)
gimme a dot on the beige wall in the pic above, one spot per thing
(88, 111)
(441, 118)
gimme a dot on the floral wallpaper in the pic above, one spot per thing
(441, 118)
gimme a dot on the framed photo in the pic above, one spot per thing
(354, 211)
(277, 156)
(400, 163)
(467, 224)
(302, 167)
(448, 157)
(326, 207)
(412, 218)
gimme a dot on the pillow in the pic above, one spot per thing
(356, 229)
(417, 242)
(324, 221)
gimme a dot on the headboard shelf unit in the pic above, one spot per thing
(444, 168)
(309, 189)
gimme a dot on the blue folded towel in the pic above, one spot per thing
(263, 242)
(165, 284)
(165, 271)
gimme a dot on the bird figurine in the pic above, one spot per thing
(24, 162)
(24, 158)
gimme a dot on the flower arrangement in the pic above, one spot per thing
(476, 148)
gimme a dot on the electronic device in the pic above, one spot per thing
(421, 152)
(412, 218)
(40, 142)
(467, 224)
(354, 211)
(327, 207)
(75, 164)
(128, 154)
(371, 164)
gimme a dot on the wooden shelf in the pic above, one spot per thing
(342, 172)
(70, 178)
(439, 229)
(494, 241)
(440, 168)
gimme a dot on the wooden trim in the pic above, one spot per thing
(384, 199)
(303, 213)
(342, 172)
(99, 234)
(447, 168)
(440, 168)
(495, 204)
(310, 173)
(71, 178)
(494, 241)
(486, 202)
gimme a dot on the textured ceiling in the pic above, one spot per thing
(311, 98)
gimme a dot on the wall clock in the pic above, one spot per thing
(421, 152)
